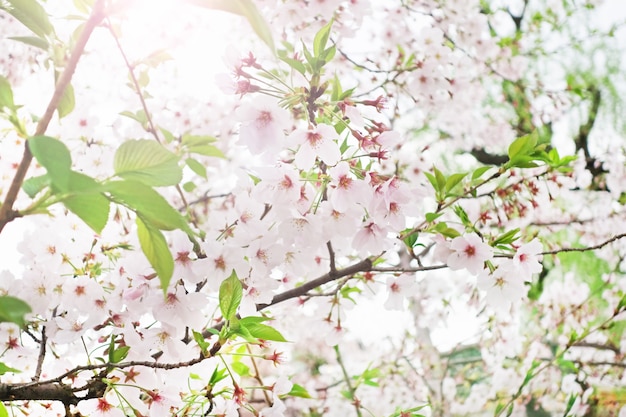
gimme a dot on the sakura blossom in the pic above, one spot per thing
(469, 252)
(386, 208)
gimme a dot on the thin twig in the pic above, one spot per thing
(42, 354)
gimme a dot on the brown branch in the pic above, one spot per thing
(585, 249)
(7, 213)
(361, 266)
(42, 353)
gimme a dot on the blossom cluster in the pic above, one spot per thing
(312, 177)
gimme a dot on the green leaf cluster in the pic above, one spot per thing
(249, 328)
(139, 166)
(445, 186)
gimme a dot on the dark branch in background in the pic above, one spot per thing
(487, 158)
(7, 213)
(518, 19)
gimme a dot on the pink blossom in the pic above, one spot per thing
(316, 142)
(371, 238)
(527, 258)
(399, 288)
(99, 407)
(503, 286)
(345, 189)
(263, 123)
(469, 252)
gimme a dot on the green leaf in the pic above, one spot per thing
(4, 369)
(32, 15)
(478, 172)
(217, 376)
(148, 162)
(189, 186)
(67, 103)
(197, 140)
(240, 368)
(230, 295)
(523, 145)
(6, 94)
(206, 150)
(431, 217)
(507, 238)
(293, 63)
(155, 248)
(263, 331)
(54, 156)
(139, 116)
(87, 201)
(32, 186)
(410, 240)
(440, 178)
(433, 181)
(237, 329)
(13, 310)
(3, 411)
(202, 343)
(245, 8)
(119, 354)
(453, 180)
(196, 167)
(321, 38)
(148, 204)
(298, 391)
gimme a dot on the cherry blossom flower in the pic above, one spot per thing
(345, 189)
(469, 252)
(316, 142)
(98, 407)
(371, 238)
(263, 123)
(504, 286)
(527, 258)
(399, 288)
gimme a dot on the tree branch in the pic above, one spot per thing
(7, 213)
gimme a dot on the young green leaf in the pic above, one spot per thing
(54, 156)
(13, 310)
(202, 343)
(154, 246)
(4, 368)
(87, 201)
(241, 368)
(523, 145)
(263, 331)
(6, 94)
(119, 354)
(196, 167)
(147, 203)
(32, 15)
(321, 38)
(32, 186)
(453, 180)
(507, 237)
(148, 162)
(298, 391)
(67, 103)
(478, 172)
(230, 295)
